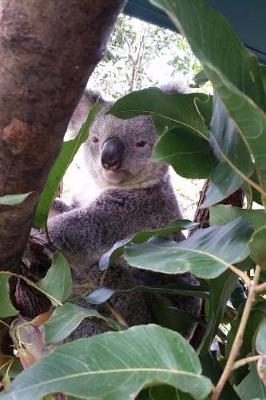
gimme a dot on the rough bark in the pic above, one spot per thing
(48, 49)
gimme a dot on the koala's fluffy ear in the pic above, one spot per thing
(174, 87)
(87, 100)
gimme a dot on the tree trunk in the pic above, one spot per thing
(48, 49)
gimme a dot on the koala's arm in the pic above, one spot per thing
(86, 233)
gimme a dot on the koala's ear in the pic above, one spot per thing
(174, 87)
(88, 99)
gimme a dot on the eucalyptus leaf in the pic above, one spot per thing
(190, 155)
(204, 27)
(229, 147)
(66, 155)
(258, 248)
(114, 366)
(222, 214)
(13, 199)
(207, 253)
(66, 319)
(101, 295)
(117, 249)
(233, 81)
(257, 315)
(261, 338)
(220, 291)
(57, 282)
(6, 307)
(167, 110)
(251, 387)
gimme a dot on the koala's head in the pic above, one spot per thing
(118, 152)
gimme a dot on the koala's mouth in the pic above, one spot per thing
(114, 176)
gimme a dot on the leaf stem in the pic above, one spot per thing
(116, 313)
(247, 360)
(241, 274)
(238, 338)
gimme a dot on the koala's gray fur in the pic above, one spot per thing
(136, 196)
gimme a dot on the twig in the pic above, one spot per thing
(238, 338)
(117, 314)
(241, 274)
(247, 360)
(261, 287)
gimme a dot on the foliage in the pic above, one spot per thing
(136, 52)
(225, 143)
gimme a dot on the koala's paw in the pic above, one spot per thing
(60, 206)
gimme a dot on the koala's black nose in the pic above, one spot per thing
(112, 153)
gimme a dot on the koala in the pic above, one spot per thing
(135, 193)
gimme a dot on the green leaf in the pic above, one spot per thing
(6, 307)
(235, 162)
(66, 155)
(261, 338)
(66, 319)
(101, 295)
(200, 78)
(251, 387)
(189, 154)
(167, 110)
(220, 291)
(57, 282)
(165, 392)
(257, 247)
(257, 315)
(204, 27)
(13, 199)
(118, 248)
(172, 318)
(207, 253)
(222, 214)
(213, 370)
(114, 366)
(249, 119)
(231, 68)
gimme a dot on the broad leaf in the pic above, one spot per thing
(57, 282)
(207, 253)
(101, 295)
(66, 319)
(118, 248)
(114, 366)
(222, 214)
(249, 119)
(204, 28)
(256, 316)
(251, 387)
(220, 291)
(167, 110)
(213, 370)
(261, 341)
(6, 307)
(190, 155)
(258, 248)
(13, 199)
(235, 162)
(66, 155)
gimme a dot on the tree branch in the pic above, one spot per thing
(48, 49)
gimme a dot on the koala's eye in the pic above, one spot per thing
(141, 143)
(95, 139)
